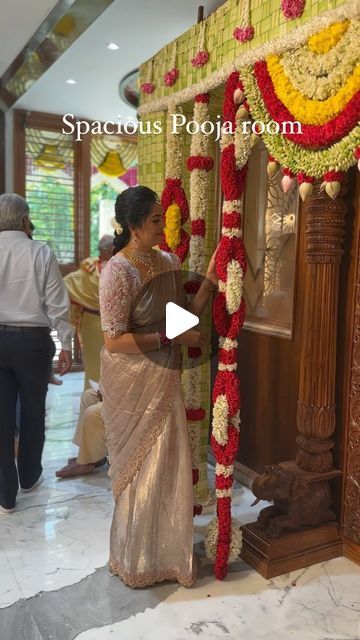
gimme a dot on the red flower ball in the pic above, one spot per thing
(147, 87)
(226, 326)
(200, 59)
(202, 97)
(227, 383)
(195, 415)
(232, 220)
(221, 482)
(229, 249)
(243, 34)
(200, 162)
(292, 8)
(198, 228)
(194, 352)
(171, 76)
(228, 357)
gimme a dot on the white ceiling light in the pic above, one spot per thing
(112, 46)
(70, 81)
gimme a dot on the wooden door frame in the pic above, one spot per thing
(348, 442)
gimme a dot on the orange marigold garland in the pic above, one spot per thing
(228, 316)
(174, 194)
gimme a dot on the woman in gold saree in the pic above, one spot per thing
(151, 536)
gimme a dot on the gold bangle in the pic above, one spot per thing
(209, 289)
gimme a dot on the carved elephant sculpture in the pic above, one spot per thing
(297, 503)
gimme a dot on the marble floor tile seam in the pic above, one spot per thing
(11, 519)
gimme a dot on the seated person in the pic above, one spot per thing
(89, 436)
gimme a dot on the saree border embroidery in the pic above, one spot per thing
(149, 440)
(147, 579)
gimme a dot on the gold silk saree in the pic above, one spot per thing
(151, 536)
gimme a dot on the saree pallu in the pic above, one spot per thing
(151, 536)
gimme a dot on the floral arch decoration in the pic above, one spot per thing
(317, 85)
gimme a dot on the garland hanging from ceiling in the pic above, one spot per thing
(223, 540)
(199, 164)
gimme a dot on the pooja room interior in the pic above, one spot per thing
(290, 204)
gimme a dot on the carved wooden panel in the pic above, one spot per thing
(351, 520)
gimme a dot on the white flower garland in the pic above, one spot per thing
(212, 536)
(338, 157)
(220, 419)
(174, 160)
(234, 286)
(320, 76)
(293, 40)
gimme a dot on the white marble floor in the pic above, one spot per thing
(58, 536)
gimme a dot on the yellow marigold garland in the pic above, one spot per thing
(327, 38)
(172, 228)
(338, 157)
(305, 110)
(318, 76)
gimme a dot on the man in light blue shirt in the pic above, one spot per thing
(33, 300)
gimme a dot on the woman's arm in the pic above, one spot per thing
(144, 342)
(132, 343)
(201, 298)
(207, 288)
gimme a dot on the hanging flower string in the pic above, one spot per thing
(202, 55)
(148, 86)
(172, 75)
(199, 163)
(228, 316)
(173, 200)
(245, 30)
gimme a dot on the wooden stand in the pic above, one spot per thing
(324, 231)
(292, 551)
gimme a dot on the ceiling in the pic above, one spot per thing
(139, 27)
(19, 21)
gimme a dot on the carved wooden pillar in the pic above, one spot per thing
(300, 528)
(324, 231)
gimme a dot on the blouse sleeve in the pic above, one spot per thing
(115, 291)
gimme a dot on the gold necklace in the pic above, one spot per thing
(149, 260)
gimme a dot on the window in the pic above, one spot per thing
(50, 190)
(113, 169)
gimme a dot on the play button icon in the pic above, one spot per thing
(163, 304)
(178, 320)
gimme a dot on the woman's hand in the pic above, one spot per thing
(211, 270)
(190, 338)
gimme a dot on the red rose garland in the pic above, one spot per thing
(311, 135)
(228, 316)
